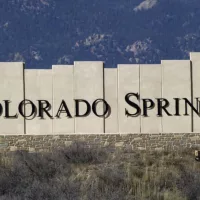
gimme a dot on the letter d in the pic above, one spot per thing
(77, 110)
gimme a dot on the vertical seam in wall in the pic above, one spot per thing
(52, 83)
(104, 124)
(117, 101)
(73, 83)
(192, 96)
(24, 96)
(118, 110)
(162, 80)
(140, 97)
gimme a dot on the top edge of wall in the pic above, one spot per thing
(61, 66)
(76, 62)
(172, 61)
(128, 65)
(12, 62)
(194, 54)
(150, 64)
(110, 68)
(34, 69)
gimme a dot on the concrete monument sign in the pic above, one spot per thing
(87, 98)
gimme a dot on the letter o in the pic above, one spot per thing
(22, 106)
(1, 109)
(94, 105)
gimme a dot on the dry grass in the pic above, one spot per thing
(77, 173)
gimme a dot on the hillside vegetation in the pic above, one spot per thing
(77, 173)
(42, 33)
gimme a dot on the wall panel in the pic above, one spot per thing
(38, 86)
(63, 90)
(176, 84)
(110, 81)
(195, 58)
(88, 85)
(11, 88)
(128, 82)
(150, 87)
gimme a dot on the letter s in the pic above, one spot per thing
(132, 104)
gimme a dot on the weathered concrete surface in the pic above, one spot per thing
(176, 83)
(150, 87)
(90, 81)
(63, 90)
(128, 82)
(110, 86)
(38, 86)
(11, 88)
(88, 85)
(195, 58)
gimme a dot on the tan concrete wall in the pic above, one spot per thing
(63, 90)
(110, 87)
(38, 86)
(11, 88)
(151, 87)
(195, 61)
(176, 83)
(88, 85)
(89, 80)
(128, 82)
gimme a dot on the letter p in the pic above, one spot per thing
(148, 104)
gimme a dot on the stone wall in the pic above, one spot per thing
(127, 142)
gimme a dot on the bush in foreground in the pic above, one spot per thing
(78, 173)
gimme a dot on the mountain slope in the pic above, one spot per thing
(46, 32)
